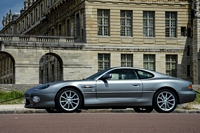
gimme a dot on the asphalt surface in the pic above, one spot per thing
(19, 109)
(100, 123)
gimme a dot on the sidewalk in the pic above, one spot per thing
(19, 109)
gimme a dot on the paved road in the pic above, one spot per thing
(100, 123)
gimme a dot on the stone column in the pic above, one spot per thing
(196, 42)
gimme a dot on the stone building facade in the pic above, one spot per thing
(54, 40)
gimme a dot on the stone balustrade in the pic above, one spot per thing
(36, 38)
(43, 41)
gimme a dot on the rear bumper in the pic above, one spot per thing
(187, 96)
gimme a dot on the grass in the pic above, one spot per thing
(11, 97)
(16, 97)
(197, 100)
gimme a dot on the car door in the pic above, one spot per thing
(123, 87)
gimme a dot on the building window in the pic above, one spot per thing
(170, 24)
(52, 31)
(189, 33)
(103, 61)
(53, 72)
(183, 31)
(68, 28)
(60, 30)
(171, 65)
(31, 18)
(27, 22)
(188, 50)
(36, 14)
(126, 60)
(126, 23)
(47, 77)
(52, 2)
(23, 25)
(77, 25)
(148, 24)
(41, 10)
(19, 27)
(103, 21)
(149, 61)
(188, 70)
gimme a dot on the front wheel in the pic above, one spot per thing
(69, 100)
(165, 101)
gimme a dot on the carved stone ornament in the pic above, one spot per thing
(196, 7)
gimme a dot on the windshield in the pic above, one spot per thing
(96, 75)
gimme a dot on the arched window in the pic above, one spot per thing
(7, 71)
(50, 69)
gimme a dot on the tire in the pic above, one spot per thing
(165, 101)
(69, 100)
(53, 110)
(143, 109)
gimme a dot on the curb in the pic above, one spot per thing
(129, 110)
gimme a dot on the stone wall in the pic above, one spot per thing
(17, 87)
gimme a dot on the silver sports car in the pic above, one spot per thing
(119, 87)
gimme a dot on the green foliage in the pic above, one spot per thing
(11, 97)
(197, 100)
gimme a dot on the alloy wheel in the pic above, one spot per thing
(69, 100)
(165, 101)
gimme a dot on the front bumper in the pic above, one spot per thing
(45, 101)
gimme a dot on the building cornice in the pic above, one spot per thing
(144, 1)
(135, 48)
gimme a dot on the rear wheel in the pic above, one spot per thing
(165, 101)
(143, 109)
(69, 100)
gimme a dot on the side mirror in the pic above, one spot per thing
(106, 76)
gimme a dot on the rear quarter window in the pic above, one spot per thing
(144, 75)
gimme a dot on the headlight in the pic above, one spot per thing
(42, 87)
(36, 99)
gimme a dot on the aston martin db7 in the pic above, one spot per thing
(118, 88)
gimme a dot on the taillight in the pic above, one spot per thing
(190, 86)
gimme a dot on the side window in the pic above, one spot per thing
(144, 74)
(123, 74)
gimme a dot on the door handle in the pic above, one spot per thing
(136, 85)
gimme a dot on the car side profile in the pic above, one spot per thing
(117, 87)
